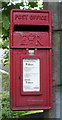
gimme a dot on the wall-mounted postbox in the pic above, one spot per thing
(30, 60)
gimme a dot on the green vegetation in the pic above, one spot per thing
(6, 112)
(5, 82)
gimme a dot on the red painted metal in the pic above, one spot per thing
(30, 30)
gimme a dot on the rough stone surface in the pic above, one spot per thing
(56, 33)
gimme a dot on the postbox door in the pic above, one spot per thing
(24, 93)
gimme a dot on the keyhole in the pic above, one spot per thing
(19, 78)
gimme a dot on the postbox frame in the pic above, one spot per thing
(13, 87)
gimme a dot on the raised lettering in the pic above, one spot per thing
(21, 17)
(31, 17)
(37, 17)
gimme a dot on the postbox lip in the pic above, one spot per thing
(29, 10)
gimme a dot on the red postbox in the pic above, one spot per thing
(30, 60)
